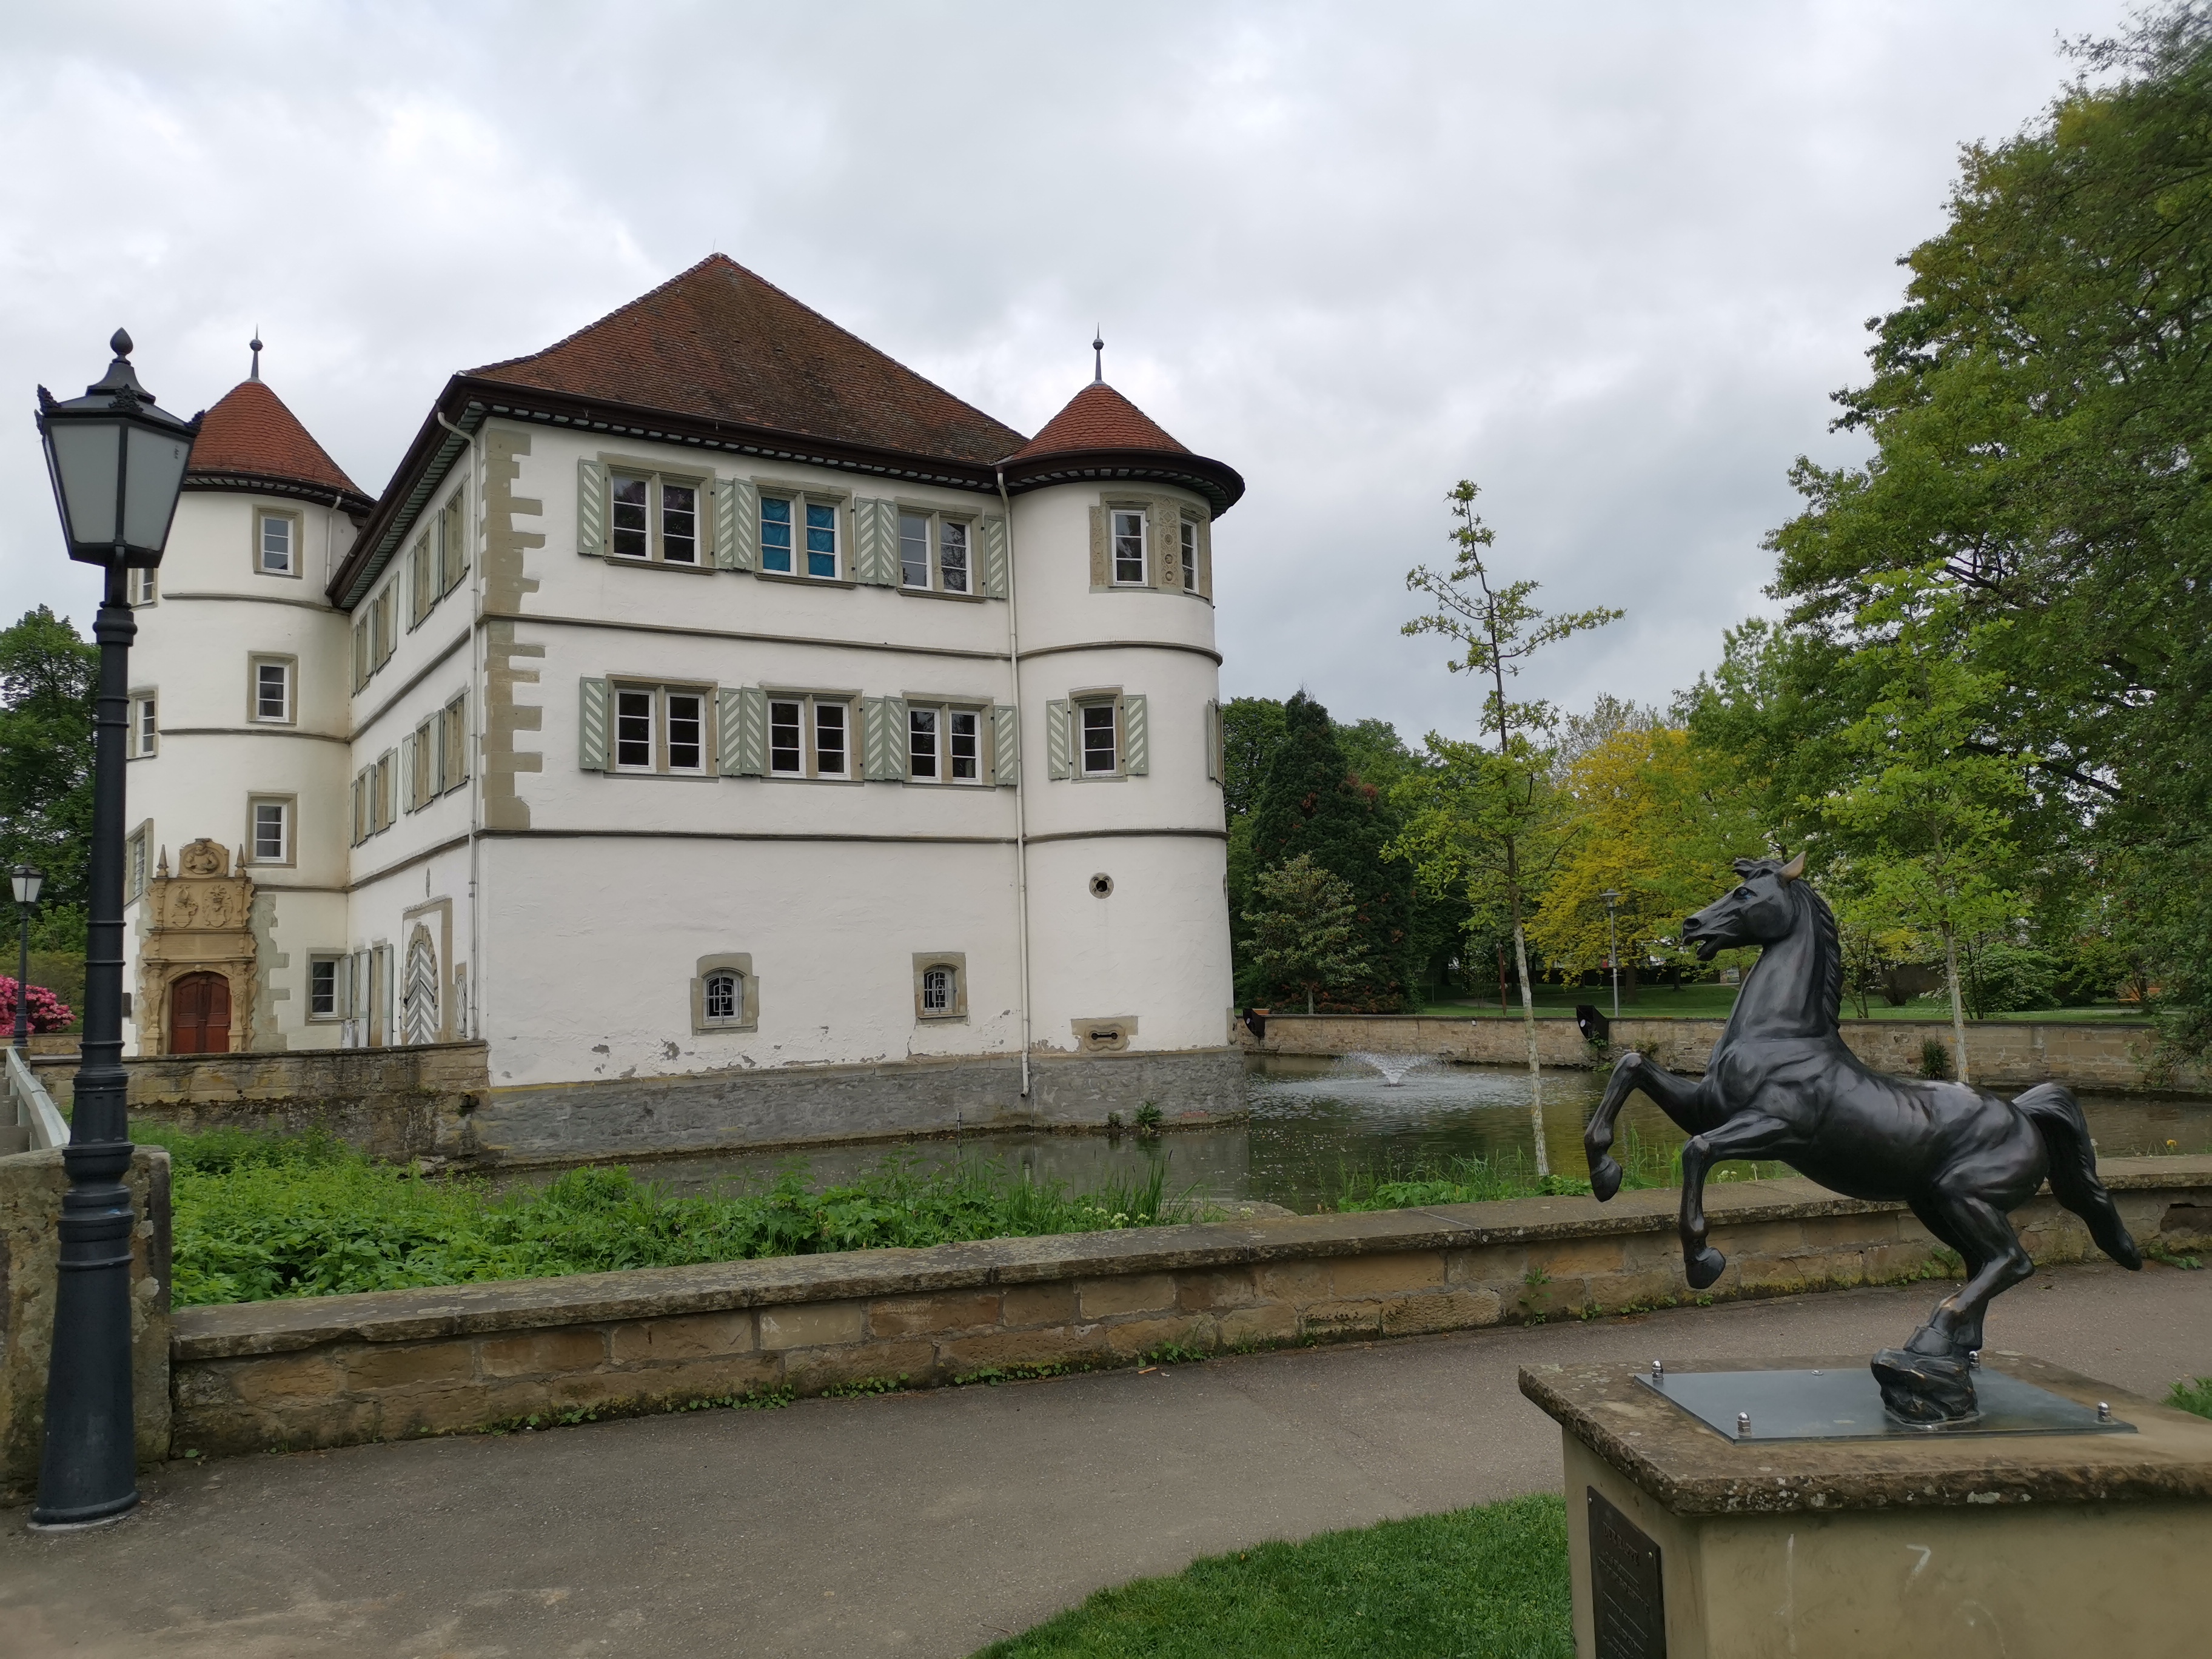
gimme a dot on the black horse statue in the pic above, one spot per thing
(1782, 1085)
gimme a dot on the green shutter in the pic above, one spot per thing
(994, 558)
(591, 726)
(1136, 741)
(591, 509)
(1059, 740)
(407, 801)
(883, 738)
(1005, 745)
(725, 730)
(725, 525)
(875, 543)
(744, 522)
(747, 757)
(1214, 742)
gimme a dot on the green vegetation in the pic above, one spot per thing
(47, 674)
(2192, 1395)
(1305, 929)
(260, 1216)
(1467, 1180)
(1477, 1584)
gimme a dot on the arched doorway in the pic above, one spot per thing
(418, 999)
(199, 1015)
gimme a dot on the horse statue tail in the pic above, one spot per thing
(2058, 1118)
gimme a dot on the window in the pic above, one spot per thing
(944, 745)
(933, 553)
(374, 635)
(654, 517)
(660, 729)
(832, 722)
(784, 517)
(453, 542)
(422, 765)
(380, 803)
(276, 544)
(940, 985)
(1189, 557)
(272, 831)
(453, 744)
(725, 995)
(143, 589)
(145, 732)
(137, 861)
(272, 689)
(324, 999)
(1128, 546)
(725, 999)
(1099, 747)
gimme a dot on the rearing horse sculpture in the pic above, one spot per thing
(1782, 1085)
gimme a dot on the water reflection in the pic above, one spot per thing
(1316, 1119)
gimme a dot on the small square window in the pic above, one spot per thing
(1189, 557)
(274, 544)
(273, 831)
(776, 535)
(1129, 548)
(272, 690)
(1098, 738)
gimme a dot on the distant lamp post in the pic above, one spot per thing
(28, 880)
(117, 465)
(1612, 898)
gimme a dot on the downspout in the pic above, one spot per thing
(476, 714)
(1021, 783)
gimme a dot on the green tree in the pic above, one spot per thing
(1313, 803)
(1496, 627)
(1304, 931)
(48, 678)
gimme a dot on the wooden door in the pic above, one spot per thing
(199, 1015)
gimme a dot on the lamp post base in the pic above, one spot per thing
(102, 1514)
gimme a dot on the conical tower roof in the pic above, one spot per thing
(250, 439)
(1098, 418)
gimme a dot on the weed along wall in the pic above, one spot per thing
(2001, 1054)
(335, 1371)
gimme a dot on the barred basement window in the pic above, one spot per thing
(937, 991)
(940, 990)
(653, 517)
(725, 999)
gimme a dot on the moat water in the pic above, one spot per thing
(1316, 1123)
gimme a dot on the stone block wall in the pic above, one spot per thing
(2000, 1054)
(335, 1371)
(31, 1189)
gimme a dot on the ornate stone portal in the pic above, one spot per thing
(196, 923)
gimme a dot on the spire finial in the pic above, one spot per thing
(1098, 364)
(256, 343)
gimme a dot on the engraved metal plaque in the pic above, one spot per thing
(1628, 1613)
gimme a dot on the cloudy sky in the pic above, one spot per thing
(1608, 260)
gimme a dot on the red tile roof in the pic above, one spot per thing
(1098, 417)
(251, 433)
(720, 343)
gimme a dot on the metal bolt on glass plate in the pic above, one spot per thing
(1658, 1370)
(2104, 1411)
(1743, 1422)
(1973, 1359)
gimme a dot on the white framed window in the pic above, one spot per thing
(144, 587)
(726, 997)
(940, 985)
(944, 744)
(422, 765)
(935, 553)
(453, 744)
(799, 535)
(660, 729)
(808, 736)
(137, 861)
(1189, 552)
(1129, 550)
(327, 986)
(272, 690)
(271, 829)
(1099, 734)
(382, 775)
(654, 517)
(276, 542)
(936, 990)
(144, 737)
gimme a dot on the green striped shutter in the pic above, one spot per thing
(994, 558)
(883, 739)
(591, 509)
(726, 717)
(591, 726)
(1005, 745)
(725, 525)
(748, 756)
(1059, 740)
(1136, 740)
(744, 528)
(875, 543)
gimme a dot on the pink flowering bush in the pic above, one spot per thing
(48, 1012)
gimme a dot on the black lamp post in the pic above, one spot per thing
(1612, 898)
(28, 881)
(117, 465)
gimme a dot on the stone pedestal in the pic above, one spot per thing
(1939, 1545)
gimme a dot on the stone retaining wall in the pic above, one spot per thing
(2001, 1053)
(336, 1370)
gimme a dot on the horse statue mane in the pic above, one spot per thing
(1828, 939)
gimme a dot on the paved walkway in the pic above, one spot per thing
(919, 1524)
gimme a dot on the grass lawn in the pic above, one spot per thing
(1480, 1584)
(1709, 1001)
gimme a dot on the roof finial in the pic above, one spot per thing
(1099, 365)
(256, 375)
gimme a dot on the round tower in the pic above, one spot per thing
(235, 865)
(1124, 836)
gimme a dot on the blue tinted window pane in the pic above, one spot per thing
(821, 540)
(775, 536)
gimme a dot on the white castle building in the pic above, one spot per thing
(739, 735)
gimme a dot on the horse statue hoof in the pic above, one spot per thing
(1705, 1267)
(1605, 1179)
(1921, 1388)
